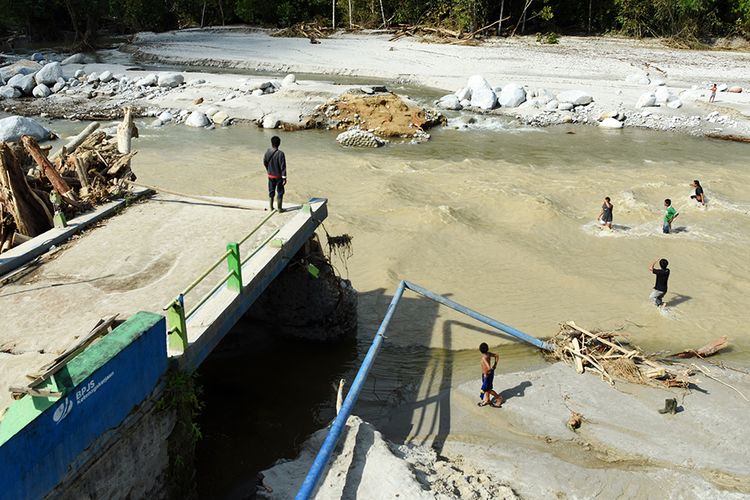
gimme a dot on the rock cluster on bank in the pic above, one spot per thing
(479, 95)
(29, 79)
(541, 107)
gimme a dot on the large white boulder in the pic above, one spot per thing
(170, 80)
(106, 76)
(511, 96)
(8, 92)
(14, 127)
(24, 83)
(22, 67)
(565, 106)
(575, 97)
(646, 100)
(482, 95)
(197, 119)
(147, 81)
(288, 80)
(58, 87)
(41, 90)
(463, 94)
(610, 123)
(551, 105)
(674, 103)
(49, 74)
(165, 116)
(220, 118)
(662, 94)
(270, 121)
(74, 59)
(449, 101)
(483, 98)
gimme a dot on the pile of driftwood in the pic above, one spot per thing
(602, 353)
(313, 31)
(91, 169)
(441, 35)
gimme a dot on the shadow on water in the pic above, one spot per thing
(263, 398)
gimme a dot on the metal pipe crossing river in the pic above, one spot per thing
(318, 467)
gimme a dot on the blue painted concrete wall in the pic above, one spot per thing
(37, 457)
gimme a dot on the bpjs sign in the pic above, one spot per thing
(81, 394)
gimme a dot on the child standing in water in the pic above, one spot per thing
(605, 216)
(669, 216)
(698, 196)
(487, 395)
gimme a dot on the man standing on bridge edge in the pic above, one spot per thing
(275, 163)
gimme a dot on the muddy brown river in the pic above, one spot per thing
(500, 219)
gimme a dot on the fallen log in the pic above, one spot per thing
(49, 171)
(76, 141)
(31, 215)
(707, 350)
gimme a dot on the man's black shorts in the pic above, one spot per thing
(275, 185)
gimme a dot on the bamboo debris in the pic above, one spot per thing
(87, 171)
(602, 354)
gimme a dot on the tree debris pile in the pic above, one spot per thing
(384, 114)
(602, 353)
(313, 31)
(33, 185)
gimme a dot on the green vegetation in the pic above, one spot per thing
(182, 396)
(81, 21)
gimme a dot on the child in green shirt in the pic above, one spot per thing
(669, 216)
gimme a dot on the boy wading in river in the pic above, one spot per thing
(275, 163)
(662, 277)
(670, 215)
(488, 396)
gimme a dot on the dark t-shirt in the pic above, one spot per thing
(698, 191)
(275, 163)
(606, 212)
(662, 276)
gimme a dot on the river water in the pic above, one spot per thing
(500, 219)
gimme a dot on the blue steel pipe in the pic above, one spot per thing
(315, 473)
(480, 317)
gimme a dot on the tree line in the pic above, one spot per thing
(83, 21)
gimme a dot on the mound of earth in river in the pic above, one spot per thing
(385, 114)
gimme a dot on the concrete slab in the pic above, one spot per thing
(138, 260)
(28, 251)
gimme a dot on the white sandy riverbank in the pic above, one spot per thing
(624, 448)
(598, 66)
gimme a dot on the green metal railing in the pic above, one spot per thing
(175, 310)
